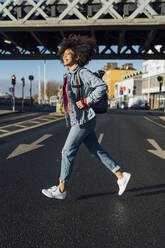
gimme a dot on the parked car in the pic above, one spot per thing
(143, 106)
(135, 106)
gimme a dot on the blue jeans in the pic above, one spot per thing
(77, 135)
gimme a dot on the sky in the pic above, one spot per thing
(54, 72)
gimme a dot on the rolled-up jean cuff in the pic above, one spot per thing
(116, 168)
(62, 181)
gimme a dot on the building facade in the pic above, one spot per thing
(129, 90)
(152, 87)
(114, 74)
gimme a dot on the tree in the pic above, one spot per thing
(52, 89)
(35, 97)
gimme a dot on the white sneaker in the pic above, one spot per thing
(123, 182)
(54, 192)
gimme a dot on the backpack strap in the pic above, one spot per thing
(77, 85)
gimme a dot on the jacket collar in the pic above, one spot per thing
(75, 69)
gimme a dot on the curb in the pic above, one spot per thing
(156, 113)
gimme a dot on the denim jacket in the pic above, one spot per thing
(93, 88)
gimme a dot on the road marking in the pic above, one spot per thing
(154, 122)
(162, 118)
(34, 121)
(23, 148)
(26, 127)
(4, 131)
(19, 125)
(17, 117)
(100, 138)
(44, 119)
(158, 152)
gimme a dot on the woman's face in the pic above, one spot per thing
(69, 58)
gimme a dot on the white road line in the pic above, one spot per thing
(24, 122)
(23, 148)
(19, 125)
(162, 118)
(4, 131)
(33, 121)
(44, 137)
(45, 119)
(158, 152)
(18, 117)
(28, 128)
(100, 138)
(154, 144)
(11, 125)
(154, 122)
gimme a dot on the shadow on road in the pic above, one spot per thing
(83, 197)
(151, 193)
(158, 189)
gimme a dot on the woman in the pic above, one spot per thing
(75, 52)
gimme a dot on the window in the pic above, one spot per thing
(145, 69)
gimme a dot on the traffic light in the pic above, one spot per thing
(13, 79)
(134, 90)
(31, 77)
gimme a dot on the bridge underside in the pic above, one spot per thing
(123, 29)
(116, 43)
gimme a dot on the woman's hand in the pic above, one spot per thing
(80, 105)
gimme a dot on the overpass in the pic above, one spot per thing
(123, 29)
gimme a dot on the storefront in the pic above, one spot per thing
(157, 100)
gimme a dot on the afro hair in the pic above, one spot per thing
(83, 47)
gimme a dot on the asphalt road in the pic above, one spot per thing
(93, 215)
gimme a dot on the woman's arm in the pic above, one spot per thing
(97, 84)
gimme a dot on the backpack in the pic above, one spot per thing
(99, 107)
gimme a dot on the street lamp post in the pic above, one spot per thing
(160, 80)
(39, 86)
(23, 85)
(31, 77)
(45, 83)
(149, 85)
(13, 81)
(134, 92)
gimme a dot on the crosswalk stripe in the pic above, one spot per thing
(4, 131)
